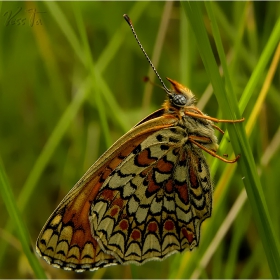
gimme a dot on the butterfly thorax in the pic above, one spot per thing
(181, 103)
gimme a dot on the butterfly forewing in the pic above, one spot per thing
(153, 203)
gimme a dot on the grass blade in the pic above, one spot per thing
(228, 104)
(22, 232)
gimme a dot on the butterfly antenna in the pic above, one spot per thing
(128, 20)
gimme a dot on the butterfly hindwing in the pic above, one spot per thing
(153, 203)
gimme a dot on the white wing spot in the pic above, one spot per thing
(141, 214)
(156, 207)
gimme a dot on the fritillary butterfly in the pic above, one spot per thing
(145, 197)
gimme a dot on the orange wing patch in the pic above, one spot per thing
(66, 240)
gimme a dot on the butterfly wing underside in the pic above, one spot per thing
(153, 203)
(66, 240)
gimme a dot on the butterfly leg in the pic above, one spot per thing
(194, 139)
(199, 114)
(219, 129)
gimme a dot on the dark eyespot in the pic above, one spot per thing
(179, 100)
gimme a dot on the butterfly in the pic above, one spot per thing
(145, 198)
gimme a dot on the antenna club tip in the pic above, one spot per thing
(126, 17)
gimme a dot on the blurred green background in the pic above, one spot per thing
(71, 77)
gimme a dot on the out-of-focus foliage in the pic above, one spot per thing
(45, 63)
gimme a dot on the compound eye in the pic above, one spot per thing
(179, 100)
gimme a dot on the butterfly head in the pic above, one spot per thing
(180, 96)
